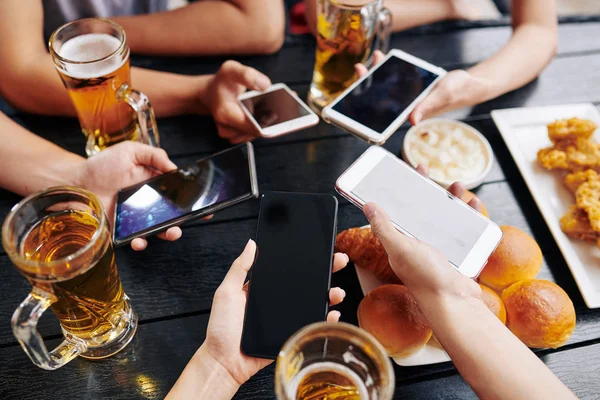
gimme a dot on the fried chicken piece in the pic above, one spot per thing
(575, 224)
(588, 199)
(580, 155)
(551, 158)
(574, 179)
(569, 130)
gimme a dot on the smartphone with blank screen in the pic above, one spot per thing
(421, 208)
(277, 111)
(291, 276)
(377, 104)
(210, 184)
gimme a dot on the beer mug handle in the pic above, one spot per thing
(24, 325)
(384, 30)
(145, 114)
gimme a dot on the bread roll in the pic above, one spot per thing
(517, 257)
(390, 313)
(365, 251)
(493, 302)
(539, 313)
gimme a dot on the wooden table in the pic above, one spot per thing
(171, 284)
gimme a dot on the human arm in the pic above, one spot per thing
(209, 28)
(530, 48)
(490, 358)
(219, 367)
(29, 164)
(30, 82)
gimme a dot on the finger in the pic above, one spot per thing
(476, 204)
(247, 76)
(378, 57)
(392, 240)
(333, 316)
(423, 170)
(336, 296)
(340, 260)
(431, 105)
(171, 234)
(242, 139)
(236, 277)
(457, 189)
(152, 157)
(208, 217)
(139, 244)
(361, 70)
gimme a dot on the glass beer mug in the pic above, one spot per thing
(59, 240)
(333, 361)
(346, 32)
(92, 58)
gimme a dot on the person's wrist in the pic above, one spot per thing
(216, 371)
(199, 100)
(482, 88)
(73, 172)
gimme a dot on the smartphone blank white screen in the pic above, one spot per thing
(421, 209)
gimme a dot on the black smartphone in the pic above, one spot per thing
(210, 184)
(291, 276)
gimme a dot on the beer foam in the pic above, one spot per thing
(90, 47)
(328, 366)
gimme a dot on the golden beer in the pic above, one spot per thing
(337, 55)
(346, 31)
(334, 362)
(104, 119)
(329, 381)
(89, 305)
(92, 58)
(59, 240)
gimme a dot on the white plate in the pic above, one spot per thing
(430, 354)
(524, 131)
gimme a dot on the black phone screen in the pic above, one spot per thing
(289, 283)
(274, 108)
(379, 99)
(217, 179)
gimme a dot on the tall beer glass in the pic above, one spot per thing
(333, 361)
(92, 58)
(347, 31)
(59, 240)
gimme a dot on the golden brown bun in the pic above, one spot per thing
(539, 313)
(390, 313)
(493, 302)
(365, 251)
(517, 257)
(468, 195)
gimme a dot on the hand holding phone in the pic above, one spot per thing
(277, 111)
(425, 211)
(290, 279)
(378, 103)
(210, 184)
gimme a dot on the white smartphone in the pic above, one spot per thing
(277, 111)
(377, 104)
(421, 208)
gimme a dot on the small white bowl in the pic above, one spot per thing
(473, 183)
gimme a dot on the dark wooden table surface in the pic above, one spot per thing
(171, 284)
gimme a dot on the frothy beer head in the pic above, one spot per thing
(87, 49)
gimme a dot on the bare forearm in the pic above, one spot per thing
(203, 378)
(30, 163)
(492, 360)
(209, 28)
(411, 13)
(38, 89)
(529, 50)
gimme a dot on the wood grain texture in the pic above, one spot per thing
(150, 365)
